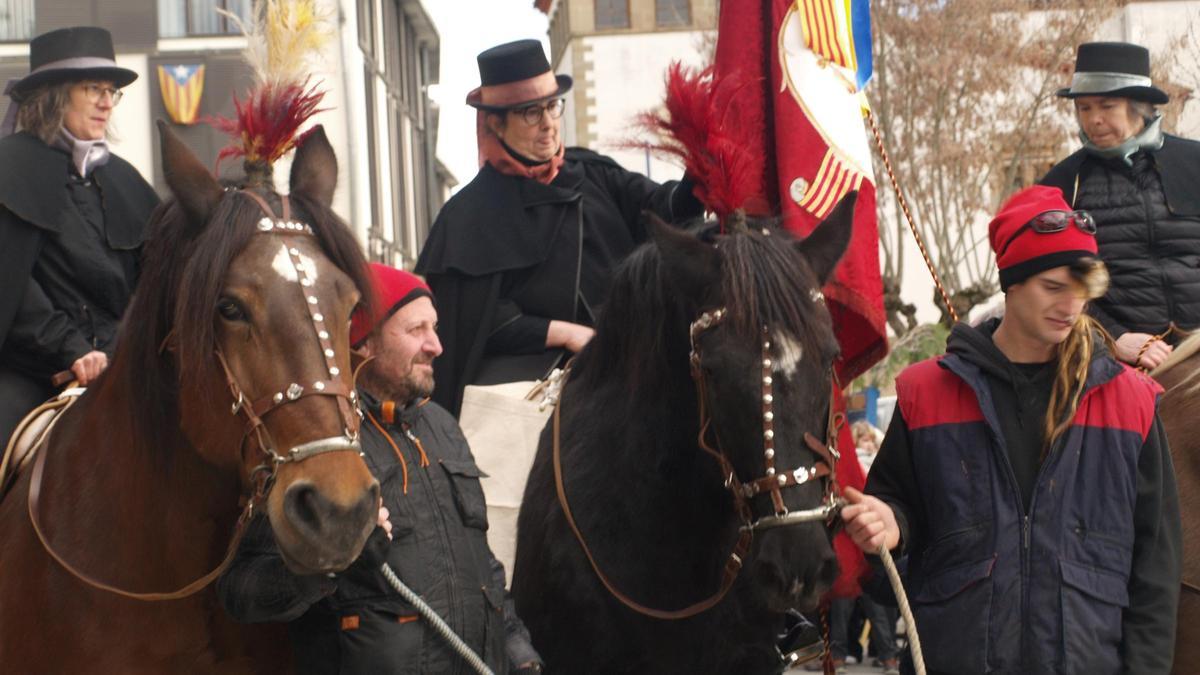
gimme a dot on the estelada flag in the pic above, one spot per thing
(181, 87)
(809, 60)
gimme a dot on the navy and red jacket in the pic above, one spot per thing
(1077, 571)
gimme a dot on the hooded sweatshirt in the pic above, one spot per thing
(1019, 395)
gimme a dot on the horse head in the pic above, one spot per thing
(762, 352)
(257, 321)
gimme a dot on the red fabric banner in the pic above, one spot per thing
(807, 126)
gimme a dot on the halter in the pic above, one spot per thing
(263, 475)
(774, 481)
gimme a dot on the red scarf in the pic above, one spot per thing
(492, 151)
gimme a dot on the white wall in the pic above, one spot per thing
(626, 74)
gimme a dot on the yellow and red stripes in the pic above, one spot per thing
(834, 179)
(825, 31)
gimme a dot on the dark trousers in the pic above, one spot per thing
(883, 627)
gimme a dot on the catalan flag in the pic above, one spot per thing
(181, 88)
(812, 59)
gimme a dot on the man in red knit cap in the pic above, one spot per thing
(432, 532)
(1027, 478)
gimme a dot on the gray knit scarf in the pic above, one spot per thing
(1150, 139)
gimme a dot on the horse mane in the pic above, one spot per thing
(181, 280)
(643, 326)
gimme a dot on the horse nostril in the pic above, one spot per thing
(305, 507)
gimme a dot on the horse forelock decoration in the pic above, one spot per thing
(231, 382)
(709, 377)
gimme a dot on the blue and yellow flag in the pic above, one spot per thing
(181, 88)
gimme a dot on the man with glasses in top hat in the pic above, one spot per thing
(1143, 188)
(1027, 477)
(71, 219)
(520, 258)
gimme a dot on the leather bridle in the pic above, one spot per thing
(262, 476)
(743, 492)
(774, 480)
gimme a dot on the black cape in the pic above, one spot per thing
(507, 245)
(35, 204)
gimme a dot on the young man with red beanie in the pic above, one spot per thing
(432, 532)
(1027, 478)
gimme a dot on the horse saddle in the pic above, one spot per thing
(30, 433)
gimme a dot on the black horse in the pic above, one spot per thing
(653, 507)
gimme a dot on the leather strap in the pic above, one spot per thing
(35, 489)
(733, 564)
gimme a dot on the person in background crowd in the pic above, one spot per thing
(1142, 187)
(521, 257)
(432, 532)
(71, 220)
(1027, 477)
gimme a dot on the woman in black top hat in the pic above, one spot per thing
(70, 223)
(520, 258)
(1143, 188)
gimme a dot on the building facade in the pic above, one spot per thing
(618, 52)
(375, 73)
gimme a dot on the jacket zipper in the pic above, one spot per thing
(452, 618)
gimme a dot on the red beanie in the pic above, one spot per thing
(1020, 251)
(393, 289)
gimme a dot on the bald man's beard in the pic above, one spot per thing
(411, 386)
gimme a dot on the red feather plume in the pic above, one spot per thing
(266, 124)
(693, 129)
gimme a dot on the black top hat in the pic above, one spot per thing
(81, 53)
(1113, 69)
(514, 62)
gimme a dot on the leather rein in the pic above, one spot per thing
(262, 476)
(772, 483)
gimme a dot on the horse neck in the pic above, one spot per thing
(142, 513)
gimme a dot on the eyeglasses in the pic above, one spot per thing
(532, 114)
(1049, 222)
(95, 92)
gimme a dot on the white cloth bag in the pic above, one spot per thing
(502, 423)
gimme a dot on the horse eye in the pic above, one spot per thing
(230, 310)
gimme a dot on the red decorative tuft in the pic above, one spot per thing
(265, 127)
(694, 131)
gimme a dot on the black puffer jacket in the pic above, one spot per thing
(356, 623)
(1148, 232)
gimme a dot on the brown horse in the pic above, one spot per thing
(139, 486)
(1179, 410)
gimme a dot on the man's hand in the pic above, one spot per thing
(531, 668)
(869, 522)
(1129, 344)
(382, 521)
(89, 366)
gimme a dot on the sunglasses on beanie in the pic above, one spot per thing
(1049, 222)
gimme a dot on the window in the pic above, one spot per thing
(16, 20)
(185, 18)
(612, 14)
(669, 13)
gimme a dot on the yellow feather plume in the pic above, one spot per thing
(282, 38)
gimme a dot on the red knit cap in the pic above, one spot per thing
(393, 289)
(1020, 251)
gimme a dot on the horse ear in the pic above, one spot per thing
(691, 264)
(314, 170)
(193, 186)
(825, 245)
